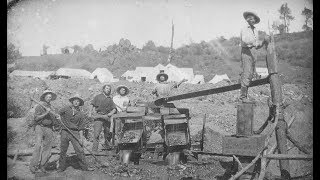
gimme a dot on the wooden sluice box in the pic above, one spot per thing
(244, 142)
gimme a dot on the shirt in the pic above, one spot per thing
(163, 89)
(103, 104)
(121, 102)
(72, 118)
(48, 119)
(249, 36)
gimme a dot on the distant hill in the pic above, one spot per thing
(208, 58)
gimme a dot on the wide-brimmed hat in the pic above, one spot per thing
(122, 86)
(77, 96)
(256, 17)
(54, 96)
(162, 74)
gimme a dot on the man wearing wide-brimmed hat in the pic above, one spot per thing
(249, 44)
(74, 121)
(102, 109)
(163, 88)
(121, 100)
(44, 121)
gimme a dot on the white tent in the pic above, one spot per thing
(35, 74)
(128, 74)
(175, 74)
(73, 73)
(189, 73)
(148, 72)
(217, 78)
(103, 75)
(198, 79)
(159, 67)
(263, 72)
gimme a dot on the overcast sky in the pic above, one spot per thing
(58, 23)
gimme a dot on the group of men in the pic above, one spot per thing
(71, 120)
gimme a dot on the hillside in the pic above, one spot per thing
(207, 58)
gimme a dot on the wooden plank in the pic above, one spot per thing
(288, 156)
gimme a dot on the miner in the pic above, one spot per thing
(73, 120)
(249, 45)
(44, 121)
(101, 110)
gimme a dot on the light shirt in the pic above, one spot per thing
(249, 36)
(163, 89)
(121, 102)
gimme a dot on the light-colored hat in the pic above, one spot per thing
(256, 17)
(122, 86)
(77, 96)
(54, 96)
(162, 74)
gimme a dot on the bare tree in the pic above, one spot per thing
(285, 15)
(309, 17)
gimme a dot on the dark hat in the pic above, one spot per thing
(54, 96)
(256, 17)
(162, 74)
(77, 96)
(122, 86)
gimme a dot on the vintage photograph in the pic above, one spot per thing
(160, 89)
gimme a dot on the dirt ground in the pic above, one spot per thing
(220, 113)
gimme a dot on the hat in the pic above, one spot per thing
(77, 96)
(162, 74)
(122, 86)
(54, 96)
(256, 17)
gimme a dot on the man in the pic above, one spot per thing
(73, 121)
(121, 100)
(164, 88)
(102, 108)
(249, 45)
(44, 121)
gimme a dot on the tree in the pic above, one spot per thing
(13, 53)
(76, 48)
(285, 15)
(149, 46)
(277, 26)
(309, 17)
(235, 40)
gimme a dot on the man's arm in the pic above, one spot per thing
(38, 116)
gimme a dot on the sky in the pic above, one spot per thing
(60, 23)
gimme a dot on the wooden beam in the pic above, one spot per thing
(288, 156)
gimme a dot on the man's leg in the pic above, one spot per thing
(64, 144)
(35, 160)
(79, 150)
(47, 145)
(247, 70)
(106, 131)
(97, 127)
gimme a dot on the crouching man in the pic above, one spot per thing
(73, 121)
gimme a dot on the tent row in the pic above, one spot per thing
(102, 74)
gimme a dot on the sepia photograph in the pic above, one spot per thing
(160, 89)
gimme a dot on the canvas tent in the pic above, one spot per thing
(176, 74)
(198, 79)
(128, 74)
(34, 74)
(73, 73)
(217, 78)
(263, 72)
(103, 75)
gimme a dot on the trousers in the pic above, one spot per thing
(97, 128)
(248, 60)
(65, 138)
(43, 146)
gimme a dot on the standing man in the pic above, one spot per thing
(44, 121)
(164, 88)
(121, 100)
(102, 109)
(73, 121)
(249, 45)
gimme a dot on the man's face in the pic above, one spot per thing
(48, 97)
(251, 20)
(107, 90)
(162, 78)
(76, 102)
(122, 91)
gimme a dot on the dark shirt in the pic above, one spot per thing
(72, 118)
(103, 104)
(49, 119)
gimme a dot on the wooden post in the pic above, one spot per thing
(276, 96)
